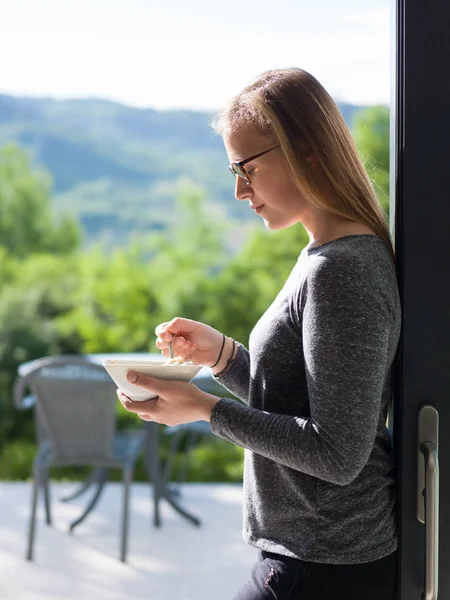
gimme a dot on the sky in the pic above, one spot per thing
(192, 54)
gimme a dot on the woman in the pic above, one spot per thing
(319, 487)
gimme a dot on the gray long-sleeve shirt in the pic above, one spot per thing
(319, 469)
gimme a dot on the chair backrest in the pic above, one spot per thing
(76, 401)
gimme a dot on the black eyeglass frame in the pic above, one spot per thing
(237, 169)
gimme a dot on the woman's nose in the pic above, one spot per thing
(242, 190)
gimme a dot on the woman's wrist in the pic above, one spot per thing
(221, 352)
(208, 403)
(229, 349)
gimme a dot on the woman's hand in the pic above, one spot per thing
(178, 402)
(194, 341)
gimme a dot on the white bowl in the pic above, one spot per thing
(118, 370)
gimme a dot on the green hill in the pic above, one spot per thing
(117, 167)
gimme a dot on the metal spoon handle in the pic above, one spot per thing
(171, 353)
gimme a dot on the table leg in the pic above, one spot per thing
(160, 487)
(90, 480)
(102, 477)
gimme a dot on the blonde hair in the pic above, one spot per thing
(293, 108)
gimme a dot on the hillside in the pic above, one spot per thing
(117, 167)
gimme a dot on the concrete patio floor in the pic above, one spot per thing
(175, 562)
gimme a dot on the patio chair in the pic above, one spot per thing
(76, 424)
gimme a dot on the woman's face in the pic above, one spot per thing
(271, 193)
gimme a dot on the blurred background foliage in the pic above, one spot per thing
(59, 297)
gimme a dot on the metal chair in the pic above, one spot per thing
(76, 424)
(24, 401)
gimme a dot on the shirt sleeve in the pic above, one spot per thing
(346, 319)
(237, 378)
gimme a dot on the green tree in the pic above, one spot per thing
(187, 256)
(35, 293)
(27, 223)
(114, 306)
(371, 134)
(124, 295)
(37, 278)
(246, 286)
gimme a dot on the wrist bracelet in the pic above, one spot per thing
(221, 350)
(229, 362)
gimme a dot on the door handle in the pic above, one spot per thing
(428, 496)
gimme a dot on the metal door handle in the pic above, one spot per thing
(431, 520)
(428, 505)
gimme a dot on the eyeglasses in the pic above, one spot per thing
(237, 168)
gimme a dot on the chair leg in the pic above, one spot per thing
(46, 486)
(32, 525)
(127, 477)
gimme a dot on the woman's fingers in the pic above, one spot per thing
(128, 404)
(161, 328)
(161, 345)
(176, 331)
(175, 327)
(180, 343)
(163, 341)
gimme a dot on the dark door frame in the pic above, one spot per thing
(420, 224)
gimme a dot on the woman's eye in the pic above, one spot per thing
(250, 171)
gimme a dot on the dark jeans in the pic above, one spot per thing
(283, 578)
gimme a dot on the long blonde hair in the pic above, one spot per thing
(293, 108)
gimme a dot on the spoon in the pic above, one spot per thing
(171, 353)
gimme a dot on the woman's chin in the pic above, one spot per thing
(274, 225)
